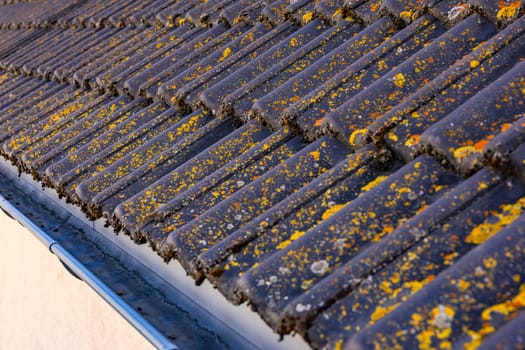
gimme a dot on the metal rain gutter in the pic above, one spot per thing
(133, 317)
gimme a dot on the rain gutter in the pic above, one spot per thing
(158, 340)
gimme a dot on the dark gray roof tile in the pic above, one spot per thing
(357, 113)
(241, 100)
(501, 12)
(331, 11)
(140, 60)
(174, 13)
(132, 212)
(271, 106)
(151, 161)
(306, 261)
(225, 262)
(274, 12)
(193, 63)
(401, 127)
(511, 335)
(220, 185)
(461, 140)
(309, 112)
(190, 240)
(498, 150)
(463, 305)
(341, 288)
(367, 11)
(240, 53)
(517, 159)
(213, 97)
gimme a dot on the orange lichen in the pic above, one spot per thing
(412, 140)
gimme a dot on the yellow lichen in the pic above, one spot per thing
(373, 183)
(295, 236)
(399, 80)
(315, 155)
(226, 53)
(307, 17)
(465, 152)
(509, 213)
(331, 211)
(490, 263)
(380, 312)
(354, 136)
(474, 64)
(509, 11)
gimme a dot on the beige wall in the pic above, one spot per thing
(43, 307)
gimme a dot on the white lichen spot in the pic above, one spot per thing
(261, 282)
(230, 226)
(442, 320)
(238, 217)
(203, 242)
(319, 267)
(284, 270)
(273, 279)
(240, 183)
(340, 245)
(302, 308)
(454, 12)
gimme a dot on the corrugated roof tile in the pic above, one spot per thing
(188, 125)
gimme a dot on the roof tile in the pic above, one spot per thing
(462, 140)
(464, 304)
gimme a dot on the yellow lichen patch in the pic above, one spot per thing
(399, 80)
(506, 307)
(438, 326)
(355, 135)
(315, 155)
(508, 11)
(373, 183)
(407, 15)
(463, 285)
(331, 211)
(465, 152)
(509, 213)
(294, 42)
(474, 64)
(490, 263)
(226, 53)
(307, 17)
(295, 236)
(393, 137)
(380, 312)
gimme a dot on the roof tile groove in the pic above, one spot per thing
(352, 170)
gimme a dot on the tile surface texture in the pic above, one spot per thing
(352, 170)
